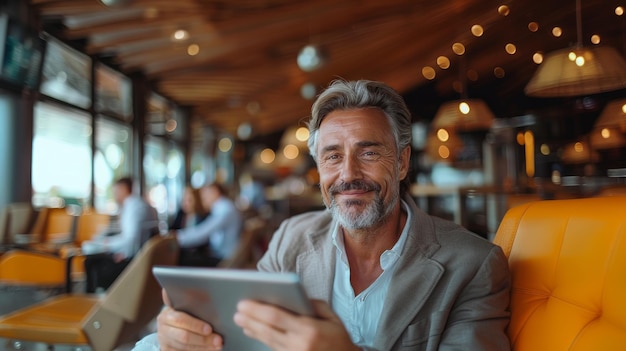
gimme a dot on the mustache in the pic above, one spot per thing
(361, 185)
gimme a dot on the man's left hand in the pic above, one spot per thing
(285, 331)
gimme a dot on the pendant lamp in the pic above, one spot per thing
(579, 70)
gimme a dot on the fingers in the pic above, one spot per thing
(263, 322)
(324, 311)
(166, 299)
(180, 331)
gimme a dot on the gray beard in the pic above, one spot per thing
(373, 214)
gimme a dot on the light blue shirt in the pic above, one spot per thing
(360, 314)
(137, 220)
(221, 229)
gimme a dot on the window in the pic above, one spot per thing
(62, 156)
(112, 160)
(113, 93)
(66, 75)
(164, 170)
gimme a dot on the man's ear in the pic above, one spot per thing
(403, 165)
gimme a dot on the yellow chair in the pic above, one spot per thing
(568, 266)
(53, 227)
(72, 320)
(24, 267)
(89, 224)
(28, 277)
(15, 218)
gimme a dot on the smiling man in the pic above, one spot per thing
(385, 275)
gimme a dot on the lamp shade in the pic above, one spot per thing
(613, 115)
(443, 144)
(607, 138)
(579, 71)
(579, 152)
(464, 115)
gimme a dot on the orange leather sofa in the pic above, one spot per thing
(568, 266)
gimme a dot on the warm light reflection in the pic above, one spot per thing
(606, 133)
(443, 62)
(498, 72)
(170, 125)
(504, 10)
(580, 61)
(151, 12)
(428, 73)
(193, 49)
(290, 151)
(267, 156)
(444, 151)
(595, 39)
(529, 148)
(619, 10)
(544, 149)
(180, 34)
(225, 144)
(557, 31)
(556, 177)
(510, 48)
(624, 108)
(477, 30)
(538, 58)
(578, 147)
(458, 48)
(464, 108)
(443, 135)
(571, 56)
(302, 134)
(520, 138)
(533, 26)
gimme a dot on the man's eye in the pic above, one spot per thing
(369, 155)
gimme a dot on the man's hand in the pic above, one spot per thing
(178, 331)
(284, 331)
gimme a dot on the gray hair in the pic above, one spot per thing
(347, 95)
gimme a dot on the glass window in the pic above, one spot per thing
(113, 93)
(112, 160)
(66, 74)
(164, 169)
(158, 115)
(62, 156)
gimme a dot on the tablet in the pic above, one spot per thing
(212, 294)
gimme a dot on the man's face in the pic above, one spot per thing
(209, 194)
(120, 193)
(360, 169)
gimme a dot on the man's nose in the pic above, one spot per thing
(351, 169)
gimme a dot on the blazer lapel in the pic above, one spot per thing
(410, 287)
(317, 266)
(414, 279)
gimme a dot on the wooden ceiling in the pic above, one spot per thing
(246, 70)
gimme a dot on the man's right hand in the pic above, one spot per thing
(178, 331)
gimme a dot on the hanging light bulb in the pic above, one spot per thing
(580, 71)
(311, 58)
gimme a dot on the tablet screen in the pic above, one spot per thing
(212, 294)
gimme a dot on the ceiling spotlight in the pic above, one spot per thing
(311, 58)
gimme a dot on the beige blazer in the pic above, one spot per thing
(450, 290)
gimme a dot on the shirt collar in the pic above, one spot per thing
(389, 257)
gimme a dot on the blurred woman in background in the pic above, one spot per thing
(191, 211)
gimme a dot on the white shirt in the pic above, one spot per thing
(136, 219)
(360, 314)
(221, 229)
